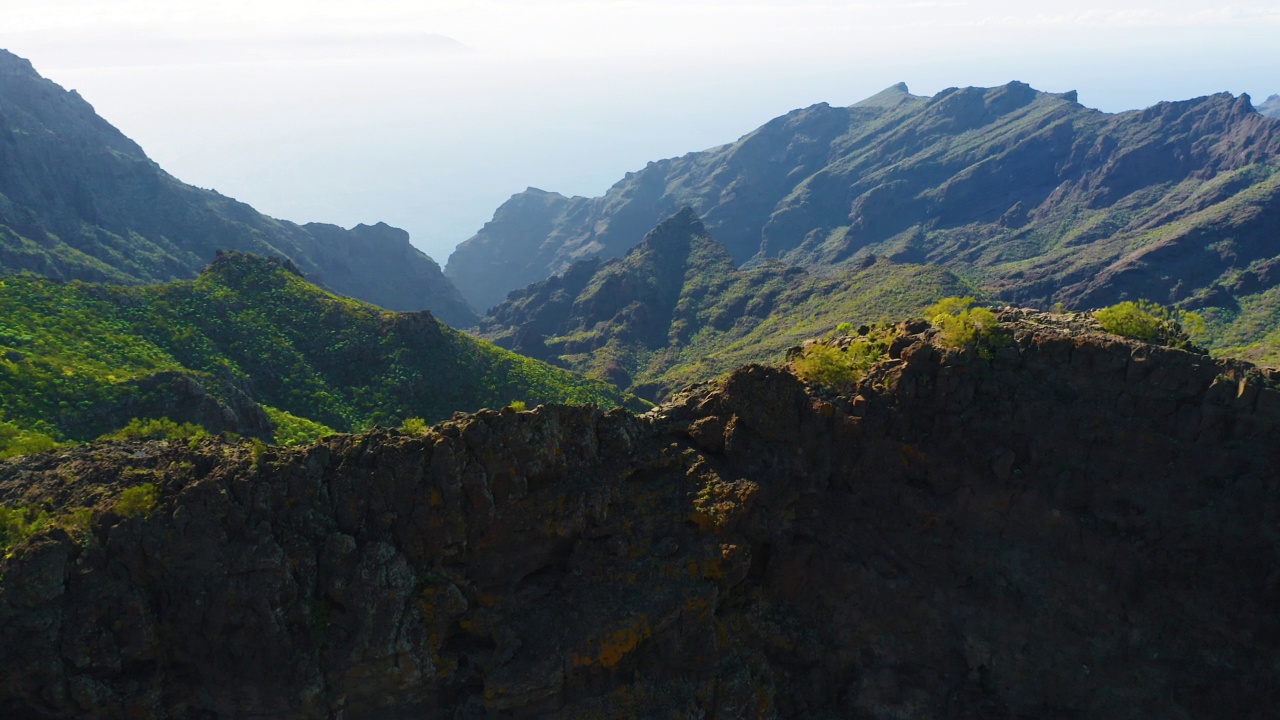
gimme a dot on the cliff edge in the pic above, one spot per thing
(1076, 526)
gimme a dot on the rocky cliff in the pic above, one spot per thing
(1032, 195)
(79, 200)
(1075, 526)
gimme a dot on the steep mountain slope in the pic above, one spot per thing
(1079, 526)
(78, 360)
(1031, 194)
(675, 310)
(80, 200)
(1271, 107)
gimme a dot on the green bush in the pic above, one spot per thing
(156, 429)
(19, 523)
(17, 441)
(289, 429)
(1151, 322)
(963, 325)
(836, 368)
(137, 500)
(415, 425)
(518, 405)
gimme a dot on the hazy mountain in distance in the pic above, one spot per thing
(1270, 107)
(80, 200)
(1031, 195)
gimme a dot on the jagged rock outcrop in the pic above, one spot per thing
(1034, 195)
(79, 200)
(1077, 526)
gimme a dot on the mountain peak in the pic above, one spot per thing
(96, 208)
(235, 264)
(685, 220)
(1270, 107)
(11, 64)
(891, 96)
(682, 239)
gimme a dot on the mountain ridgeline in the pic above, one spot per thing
(1270, 107)
(1032, 196)
(1074, 526)
(676, 310)
(233, 349)
(79, 200)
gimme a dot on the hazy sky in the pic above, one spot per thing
(429, 114)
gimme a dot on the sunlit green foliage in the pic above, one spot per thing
(415, 425)
(71, 352)
(518, 405)
(721, 318)
(156, 429)
(17, 441)
(835, 367)
(137, 500)
(961, 324)
(1250, 330)
(257, 449)
(289, 429)
(17, 524)
(1151, 322)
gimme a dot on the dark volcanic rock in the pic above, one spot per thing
(1079, 526)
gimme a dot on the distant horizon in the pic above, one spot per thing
(428, 117)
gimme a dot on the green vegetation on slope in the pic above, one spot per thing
(1249, 330)
(80, 200)
(1031, 196)
(78, 360)
(1151, 322)
(674, 310)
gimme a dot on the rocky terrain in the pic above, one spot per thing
(1075, 525)
(1035, 197)
(676, 310)
(79, 200)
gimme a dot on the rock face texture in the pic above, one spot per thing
(1035, 196)
(79, 200)
(1077, 526)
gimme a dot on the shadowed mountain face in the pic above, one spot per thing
(675, 309)
(80, 200)
(1033, 195)
(1078, 526)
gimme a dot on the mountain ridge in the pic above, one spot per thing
(676, 310)
(79, 200)
(78, 359)
(1270, 107)
(1029, 192)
